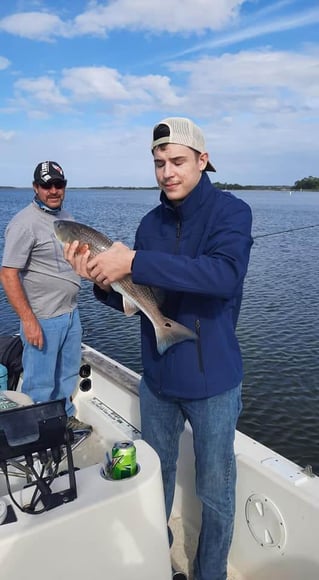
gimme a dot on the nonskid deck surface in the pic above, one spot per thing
(184, 548)
(87, 450)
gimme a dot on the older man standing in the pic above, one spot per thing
(42, 288)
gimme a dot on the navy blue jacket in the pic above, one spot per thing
(198, 253)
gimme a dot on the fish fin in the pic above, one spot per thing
(171, 332)
(129, 307)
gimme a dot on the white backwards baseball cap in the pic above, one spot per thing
(181, 131)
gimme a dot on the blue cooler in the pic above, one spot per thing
(3, 378)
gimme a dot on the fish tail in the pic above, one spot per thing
(171, 332)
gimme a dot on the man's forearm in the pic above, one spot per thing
(13, 288)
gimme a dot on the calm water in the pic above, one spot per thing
(278, 326)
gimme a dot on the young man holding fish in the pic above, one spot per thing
(195, 247)
(42, 288)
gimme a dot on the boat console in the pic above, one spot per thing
(61, 517)
(33, 436)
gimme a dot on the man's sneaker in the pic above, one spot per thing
(179, 575)
(76, 425)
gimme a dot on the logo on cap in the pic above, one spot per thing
(48, 170)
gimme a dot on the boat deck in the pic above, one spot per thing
(184, 548)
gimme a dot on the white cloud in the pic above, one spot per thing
(178, 17)
(43, 90)
(154, 90)
(94, 83)
(168, 16)
(260, 81)
(6, 135)
(91, 84)
(262, 100)
(181, 16)
(258, 29)
(4, 63)
(252, 82)
(34, 25)
(78, 86)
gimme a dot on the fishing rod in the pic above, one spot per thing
(285, 231)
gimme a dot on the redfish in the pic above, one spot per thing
(135, 296)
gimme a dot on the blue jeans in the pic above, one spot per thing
(213, 422)
(52, 373)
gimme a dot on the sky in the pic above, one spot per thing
(84, 82)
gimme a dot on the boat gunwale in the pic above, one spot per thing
(117, 373)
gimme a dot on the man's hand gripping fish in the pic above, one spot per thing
(135, 296)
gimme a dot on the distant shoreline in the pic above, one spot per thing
(224, 186)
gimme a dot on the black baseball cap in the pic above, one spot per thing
(47, 171)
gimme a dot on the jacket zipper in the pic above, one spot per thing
(199, 347)
(197, 322)
(178, 233)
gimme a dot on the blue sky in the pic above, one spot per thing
(83, 83)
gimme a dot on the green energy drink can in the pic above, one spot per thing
(123, 460)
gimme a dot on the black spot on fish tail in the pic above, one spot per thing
(170, 333)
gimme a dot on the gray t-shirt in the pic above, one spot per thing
(50, 284)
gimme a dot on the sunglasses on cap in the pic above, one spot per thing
(58, 184)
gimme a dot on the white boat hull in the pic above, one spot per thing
(117, 529)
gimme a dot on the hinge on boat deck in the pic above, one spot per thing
(308, 471)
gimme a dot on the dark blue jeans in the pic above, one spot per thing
(213, 422)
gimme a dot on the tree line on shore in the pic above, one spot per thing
(307, 184)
